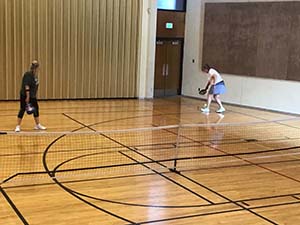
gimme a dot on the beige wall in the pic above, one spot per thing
(86, 48)
(147, 49)
(249, 91)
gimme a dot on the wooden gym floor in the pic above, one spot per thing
(253, 180)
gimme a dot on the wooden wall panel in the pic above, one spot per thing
(86, 48)
(178, 20)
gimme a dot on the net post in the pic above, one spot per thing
(174, 169)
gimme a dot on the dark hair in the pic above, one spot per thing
(34, 65)
(206, 67)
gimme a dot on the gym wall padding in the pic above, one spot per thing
(260, 39)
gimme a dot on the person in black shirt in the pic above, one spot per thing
(28, 96)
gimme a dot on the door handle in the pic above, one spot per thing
(164, 70)
(167, 69)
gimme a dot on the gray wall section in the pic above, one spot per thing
(294, 45)
(259, 39)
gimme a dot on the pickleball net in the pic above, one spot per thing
(33, 158)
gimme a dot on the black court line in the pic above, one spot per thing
(228, 199)
(268, 197)
(91, 204)
(89, 127)
(189, 216)
(222, 196)
(52, 175)
(296, 197)
(169, 179)
(16, 210)
(131, 149)
(216, 213)
(158, 173)
(202, 205)
(150, 147)
(236, 155)
(82, 124)
(258, 117)
(240, 106)
(236, 140)
(79, 181)
(275, 205)
(259, 165)
(109, 112)
(281, 204)
(188, 144)
(288, 125)
(243, 201)
(283, 175)
(146, 174)
(261, 118)
(106, 121)
(177, 218)
(126, 118)
(116, 177)
(60, 151)
(121, 144)
(74, 108)
(233, 201)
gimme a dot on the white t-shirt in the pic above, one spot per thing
(213, 73)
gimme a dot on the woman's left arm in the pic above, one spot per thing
(212, 80)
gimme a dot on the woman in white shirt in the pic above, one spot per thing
(215, 87)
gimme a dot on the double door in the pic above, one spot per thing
(168, 66)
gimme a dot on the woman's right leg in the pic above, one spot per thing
(36, 115)
(208, 102)
(21, 113)
(209, 99)
(218, 100)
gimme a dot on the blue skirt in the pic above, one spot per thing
(218, 88)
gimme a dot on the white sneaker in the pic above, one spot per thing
(18, 128)
(39, 127)
(221, 115)
(220, 110)
(205, 110)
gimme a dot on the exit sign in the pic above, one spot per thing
(169, 25)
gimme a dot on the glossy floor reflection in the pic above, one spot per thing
(240, 167)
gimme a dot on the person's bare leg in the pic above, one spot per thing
(36, 120)
(209, 99)
(18, 127)
(38, 126)
(19, 121)
(205, 109)
(218, 100)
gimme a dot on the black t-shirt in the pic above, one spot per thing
(32, 81)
